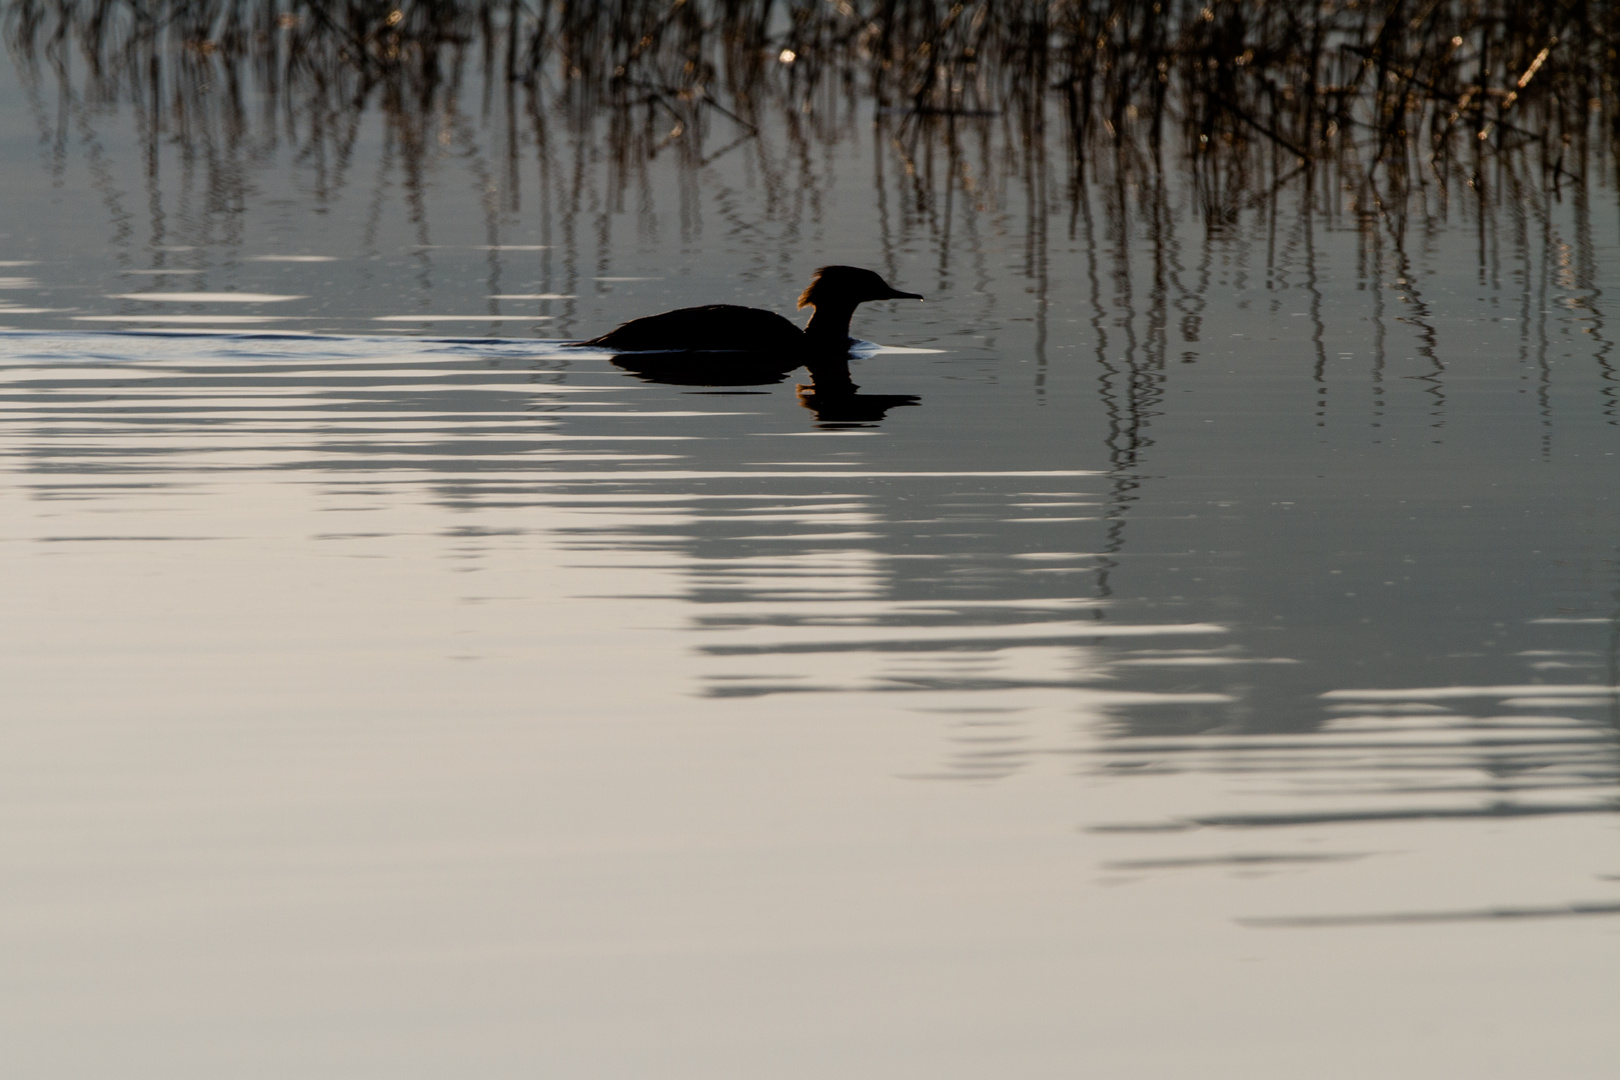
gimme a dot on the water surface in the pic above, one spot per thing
(1213, 672)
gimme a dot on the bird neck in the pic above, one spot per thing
(828, 331)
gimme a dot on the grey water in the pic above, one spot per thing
(1213, 671)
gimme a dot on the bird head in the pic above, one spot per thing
(840, 285)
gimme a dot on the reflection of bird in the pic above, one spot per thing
(838, 407)
(834, 292)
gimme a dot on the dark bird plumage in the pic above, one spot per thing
(710, 328)
(834, 293)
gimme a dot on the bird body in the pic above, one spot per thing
(710, 328)
(834, 293)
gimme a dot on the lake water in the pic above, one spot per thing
(1212, 673)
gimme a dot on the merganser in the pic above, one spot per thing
(834, 293)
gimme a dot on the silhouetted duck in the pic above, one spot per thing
(834, 292)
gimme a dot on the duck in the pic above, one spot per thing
(834, 292)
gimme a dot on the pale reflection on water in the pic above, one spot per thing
(427, 705)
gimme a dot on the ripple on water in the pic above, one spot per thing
(404, 578)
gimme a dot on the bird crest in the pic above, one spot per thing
(808, 297)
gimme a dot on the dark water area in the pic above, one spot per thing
(1195, 646)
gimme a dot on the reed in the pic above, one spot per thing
(1394, 93)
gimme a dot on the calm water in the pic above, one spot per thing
(1213, 673)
